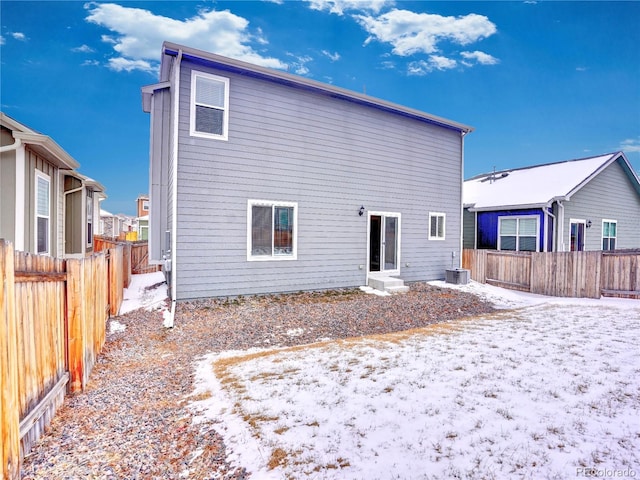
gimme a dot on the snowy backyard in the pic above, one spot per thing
(544, 388)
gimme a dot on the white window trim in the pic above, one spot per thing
(47, 178)
(444, 225)
(192, 107)
(272, 257)
(602, 237)
(511, 217)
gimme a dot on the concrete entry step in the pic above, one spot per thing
(387, 284)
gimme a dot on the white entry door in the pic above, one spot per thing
(384, 243)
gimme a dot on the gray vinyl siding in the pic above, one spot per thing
(7, 190)
(34, 162)
(328, 155)
(159, 176)
(610, 195)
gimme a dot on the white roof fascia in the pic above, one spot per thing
(578, 187)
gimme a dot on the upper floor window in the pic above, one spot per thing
(209, 105)
(609, 234)
(272, 230)
(436, 226)
(518, 234)
(43, 212)
(145, 205)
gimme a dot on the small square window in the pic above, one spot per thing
(272, 230)
(436, 226)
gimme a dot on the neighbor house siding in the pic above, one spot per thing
(610, 195)
(7, 189)
(34, 162)
(328, 155)
(160, 186)
(488, 226)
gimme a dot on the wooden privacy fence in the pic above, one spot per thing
(136, 255)
(559, 274)
(53, 317)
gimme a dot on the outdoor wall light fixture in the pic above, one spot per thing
(588, 223)
(361, 211)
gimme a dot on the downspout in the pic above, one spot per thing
(560, 226)
(462, 134)
(14, 146)
(546, 227)
(19, 211)
(170, 322)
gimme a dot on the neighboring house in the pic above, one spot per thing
(143, 217)
(263, 181)
(587, 204)
(142, 205)
(46, 206)
(113, 225)
(82, 197)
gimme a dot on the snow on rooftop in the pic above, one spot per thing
(536, 185)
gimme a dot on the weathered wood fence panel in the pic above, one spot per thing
(140, 258)
(560, 274)
(41, 335)
(621, 273)
(53, 316)
(9, 400)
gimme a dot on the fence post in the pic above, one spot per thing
(76, 324)
(9, 411)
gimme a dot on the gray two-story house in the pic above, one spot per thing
(262, 181)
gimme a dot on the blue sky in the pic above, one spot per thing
(539, 81)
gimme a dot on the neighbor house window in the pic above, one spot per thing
(272, 230)
(518, 234)
(209, 105)
(43, 212)
(609, 233)
(89, 218)
(436, 226)
(145, 205)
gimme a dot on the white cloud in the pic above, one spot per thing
(334, 57)
(581, 69)
(19, 36)
(83, 49)
(90, 63)
(126, 65)
(340, 6)
(2, 40)
(435, 62)
(479, 57)
(630, 145)
(298, 65)
(137, 35)
(409, 32)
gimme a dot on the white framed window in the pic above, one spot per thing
(209, 115)
(89, 217)
(519, 234)
(436, 226)
(609, 234)
(272, 230)
(43, 212)
(145, 205)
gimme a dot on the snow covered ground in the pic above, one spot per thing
(148, 291)
(545, 388)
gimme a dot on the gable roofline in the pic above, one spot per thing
(42, 144)
(624, 163)
(295, 81)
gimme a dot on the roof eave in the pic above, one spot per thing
(48, 148)
(239, 66)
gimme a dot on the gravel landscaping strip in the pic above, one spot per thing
(132, 422)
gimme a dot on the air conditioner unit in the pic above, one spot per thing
(459, 276)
